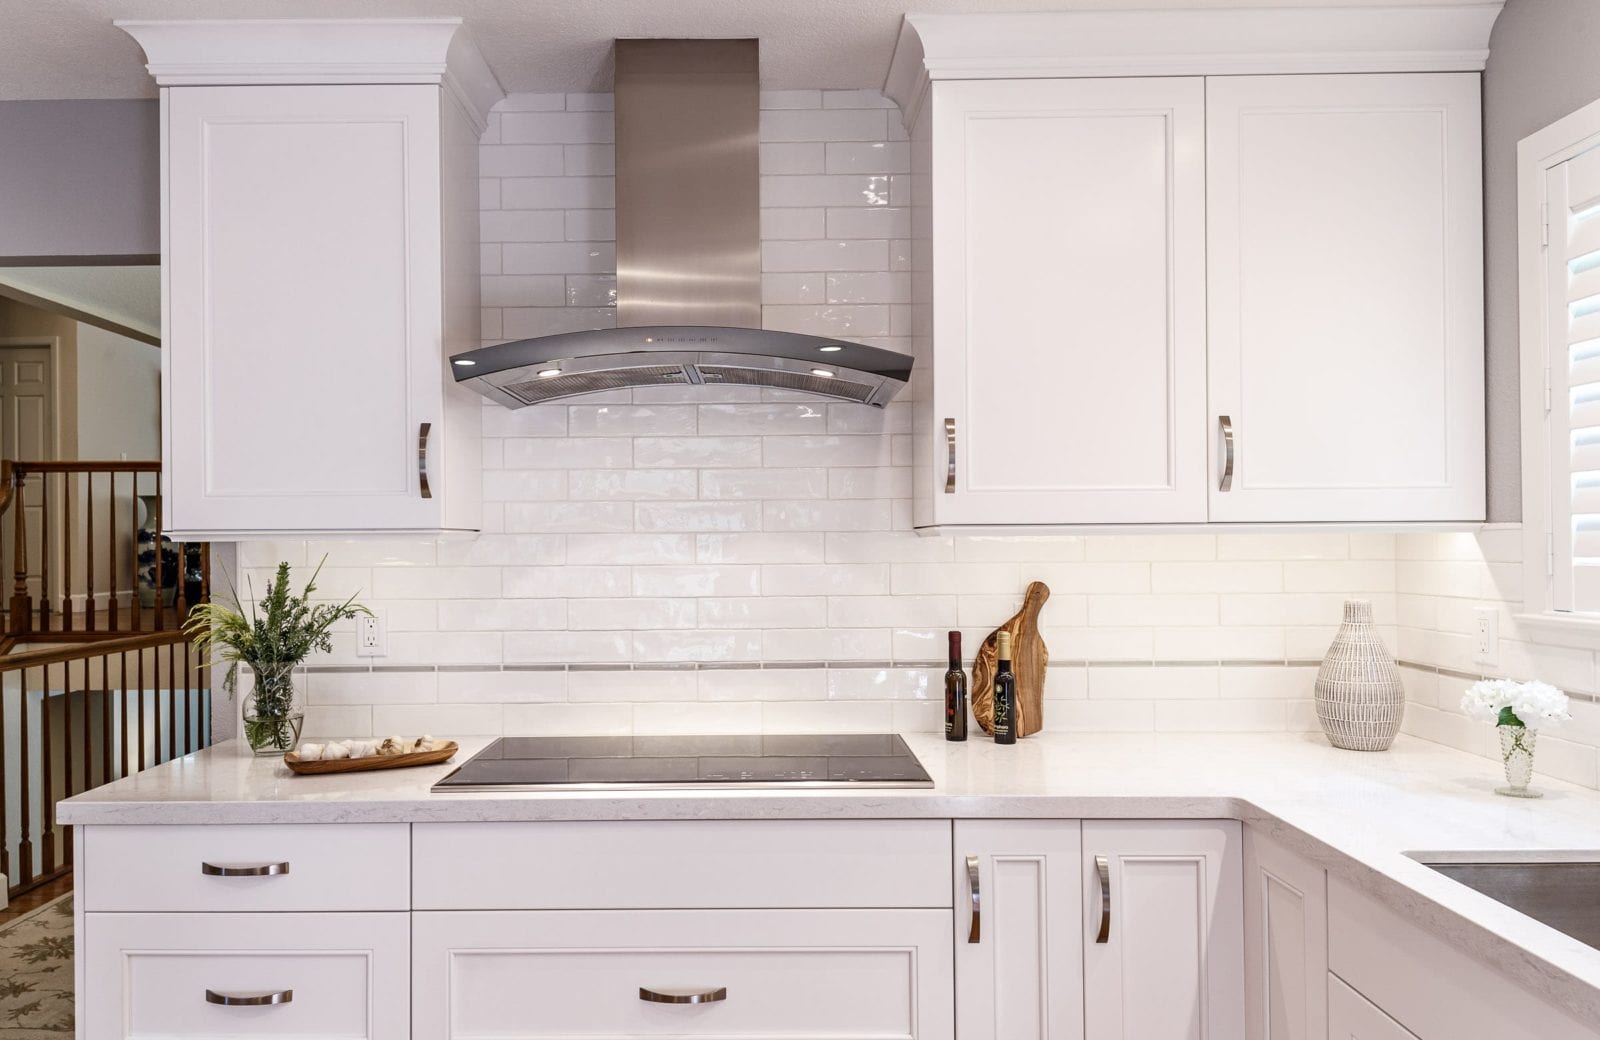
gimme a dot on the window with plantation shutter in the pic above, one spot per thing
(1572, 280)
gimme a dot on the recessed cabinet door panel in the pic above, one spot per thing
(1019, 972)
(1352, 1017)
(1163, 931)
(1286, 943)
(1346, 297)
(1069, 299)
(303, 305)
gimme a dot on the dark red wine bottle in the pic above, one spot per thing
(955, 694)
(1005, 695)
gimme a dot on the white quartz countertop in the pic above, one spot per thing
(1357, 814)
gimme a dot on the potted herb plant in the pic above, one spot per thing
(281, 631)
(1519, 710)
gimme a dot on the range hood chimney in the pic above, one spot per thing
(688, 253)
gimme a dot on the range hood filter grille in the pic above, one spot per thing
(533, 391)
(835, 387)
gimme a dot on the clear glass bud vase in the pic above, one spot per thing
(272, 712)
(1516, 751)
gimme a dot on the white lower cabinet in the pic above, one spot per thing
(1164, 937)
(811, 974)
(309, 976)
(1353, 1017)
(1285, 943)
(1018, 930)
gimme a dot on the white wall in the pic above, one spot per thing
(727, 559)
(119, 396)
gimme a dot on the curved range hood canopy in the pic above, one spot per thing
(688, 253)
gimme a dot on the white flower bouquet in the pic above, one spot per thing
(1505, 702)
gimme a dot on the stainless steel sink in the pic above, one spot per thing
(1562, 894)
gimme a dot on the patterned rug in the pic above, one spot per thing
(36, 974)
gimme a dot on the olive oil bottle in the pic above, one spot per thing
(1005, 695)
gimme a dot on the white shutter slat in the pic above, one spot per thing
(1585, 413)
(1586, 499)
(1586, 546)
(1585, 587)
(1584, 327)
(1583, 237)
(1585, 457)
(1584, 282)
(1583, 180)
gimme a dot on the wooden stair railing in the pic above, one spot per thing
(86, 569)
(73, 718)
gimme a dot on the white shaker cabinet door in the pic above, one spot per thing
(1353, 1017)
(1345, 267)
(1068, 301)
(1019, 958)
(1285, 943)
(1163, 930)
(303, 309)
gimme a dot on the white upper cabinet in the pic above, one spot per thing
(1068, 300)
(1196, 266)
(1345, 279)
(320, 262)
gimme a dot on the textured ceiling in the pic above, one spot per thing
(69, 48)
(128, 297)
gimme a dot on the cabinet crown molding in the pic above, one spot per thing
(1194, 42)
(279, 51)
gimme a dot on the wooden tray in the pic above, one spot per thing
(361, 765)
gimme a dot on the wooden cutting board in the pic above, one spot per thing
(1029, 658)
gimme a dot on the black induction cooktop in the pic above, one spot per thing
(867, 760)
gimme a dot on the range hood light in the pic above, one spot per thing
(831, 348)
(549, 373)
(464, 362)
(824, 373)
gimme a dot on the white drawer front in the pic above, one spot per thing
(734, 864)
(329, 867)
(794, 974)
(150, 974)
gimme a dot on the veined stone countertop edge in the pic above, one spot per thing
(1357, 814)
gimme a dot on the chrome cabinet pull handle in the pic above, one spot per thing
(1103, 868)
(974, 929)
(1226, 422)
(282, 996)
(422, 459)
(706, 996)
(950, 463)
(244, 870)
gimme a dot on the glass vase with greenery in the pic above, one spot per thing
(280, 632)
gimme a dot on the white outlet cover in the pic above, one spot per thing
(1486, 635)
(372, 635)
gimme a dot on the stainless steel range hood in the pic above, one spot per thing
(688, 253)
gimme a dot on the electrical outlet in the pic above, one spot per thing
(372, 635)
(1486, 635)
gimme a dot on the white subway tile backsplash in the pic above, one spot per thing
(697, 516)
(550, 517)
(698, 452)
(630, 548)
(759, 548)
(825, 125)
(731, 580)
(835, 255)
(555, 127)
(790, 158)
(763, 483)
(764, 612)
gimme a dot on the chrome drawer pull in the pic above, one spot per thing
(973, 930)
(282, 996)
(1103, 868)
(708, 996)
(244, 870)
(1226, 422)
(950, 463)
(422, 459)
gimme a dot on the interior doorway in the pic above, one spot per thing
(27, 431)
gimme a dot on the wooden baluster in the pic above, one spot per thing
(172, 701)
(161, 593)
(127, 715)
(139, 659)
(24, 785)
(111, 522)
(88, 552)
(88, 726)
(21, 609)
(69, 484)
(105, 719)
(5, 783)
(133, 522)
(66, 760)
(44, 552)
(47, 833)
(188, 703)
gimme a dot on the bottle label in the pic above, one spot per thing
(1002, 710)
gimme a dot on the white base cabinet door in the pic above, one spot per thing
(1068, 302)
(1353, 1017)
(1285, 943)
(1163, 931)
(1018, 921)
(745, 974)
(1345, 284)
(203, 976)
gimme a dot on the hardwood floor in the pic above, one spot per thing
(38, 897)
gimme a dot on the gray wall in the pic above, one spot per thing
(1544, 62)
(79, 179)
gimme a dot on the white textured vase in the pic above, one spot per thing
(1516, 751)
(1360, 700)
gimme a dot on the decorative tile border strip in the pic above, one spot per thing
(787, 666)
(1451, 673)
